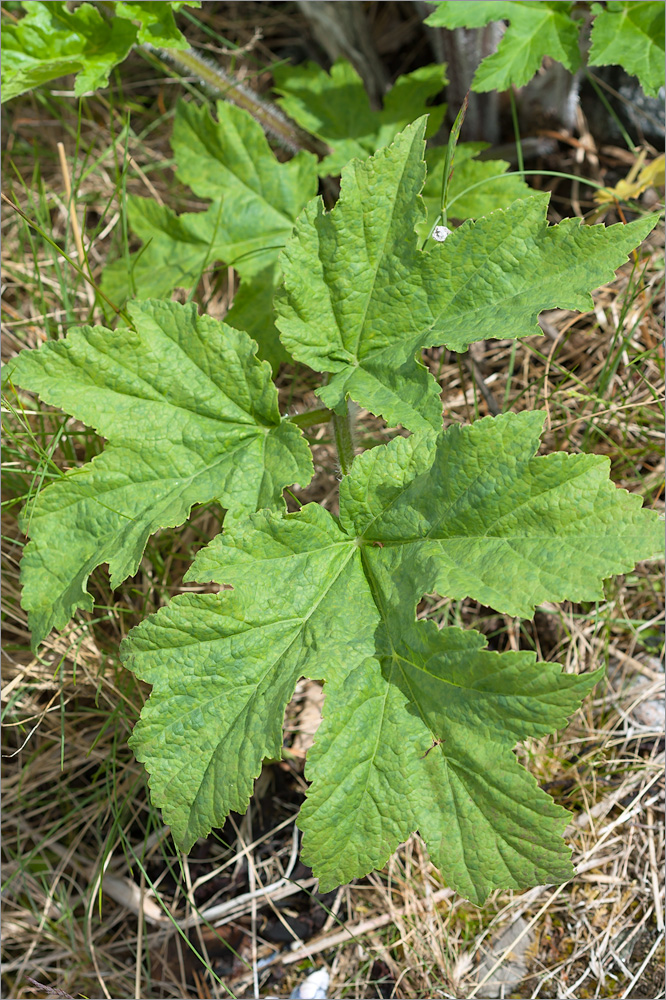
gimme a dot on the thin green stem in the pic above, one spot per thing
(499, 177)
(343, 423)
(450, 153)
(611, 110)
(516, 130)
(512, 362)
(526, 173)
(321, 415)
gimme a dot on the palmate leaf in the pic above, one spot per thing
(361, 299)
(335, 107)
(255, 200)
(473, 514)
(52, 40)
(630, 35)
(376, 776)
(536, 29)
(191, 416)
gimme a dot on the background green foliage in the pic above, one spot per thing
(52, 40)
(624, 32)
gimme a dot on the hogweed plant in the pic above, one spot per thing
(419, 721)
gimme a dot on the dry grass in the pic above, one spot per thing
(97, 902)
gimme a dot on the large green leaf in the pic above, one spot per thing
(255, 200)
(157, 25)
(414, 516)
(376, 776)
(51, 41)
(224, 669)
(361, 299)
(630, 35)
(536, 29)
(335, 107)
(230, 159)
(490, 521)
(191, 416)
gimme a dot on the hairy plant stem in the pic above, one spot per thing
(321, 415)
(217, 80)
(343, 433)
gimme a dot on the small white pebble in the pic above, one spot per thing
(314, 987)
(440, 233)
